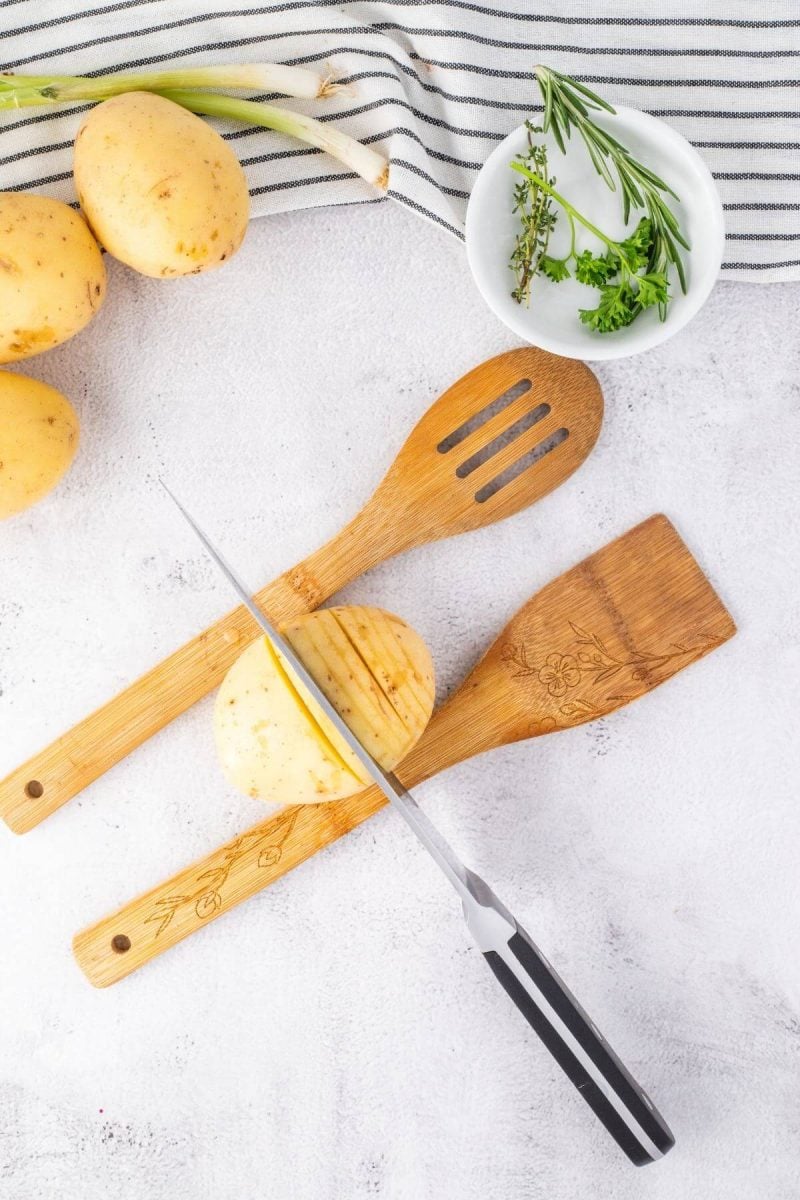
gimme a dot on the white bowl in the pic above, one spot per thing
(552, 320)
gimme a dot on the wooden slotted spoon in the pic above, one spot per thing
(487, 448)
(601, 635)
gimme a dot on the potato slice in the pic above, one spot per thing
(342, 669)
(269, 742)
(392, 650)
(273, 740)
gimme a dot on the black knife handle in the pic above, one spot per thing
(580, 1050)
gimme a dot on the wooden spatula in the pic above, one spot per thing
(500, 438)
(596, 638)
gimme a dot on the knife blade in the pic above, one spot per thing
(573, 1039)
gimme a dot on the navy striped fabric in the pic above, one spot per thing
(437, 85)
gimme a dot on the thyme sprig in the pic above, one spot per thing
(537, 217)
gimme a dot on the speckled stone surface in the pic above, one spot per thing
(337, 1038)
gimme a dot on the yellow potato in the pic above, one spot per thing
(38, 440)
(52, 278)
(161, 189)
(273, 740)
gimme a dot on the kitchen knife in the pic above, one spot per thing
(572, 1038)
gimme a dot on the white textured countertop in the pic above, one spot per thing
(337, 1038)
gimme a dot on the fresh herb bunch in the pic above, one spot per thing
(624, 274)
(633, 274)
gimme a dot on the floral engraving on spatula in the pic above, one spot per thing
(208, 896)
(587, 662)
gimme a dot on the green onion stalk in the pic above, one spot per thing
(22, 91)
(361, 159)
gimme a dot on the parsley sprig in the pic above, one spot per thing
(632, 274)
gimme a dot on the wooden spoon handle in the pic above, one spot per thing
(56, 774)
(119, 944)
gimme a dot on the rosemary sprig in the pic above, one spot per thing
(632, 274)
(567, 106)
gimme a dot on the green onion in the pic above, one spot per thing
(25, 91)
(259, 77)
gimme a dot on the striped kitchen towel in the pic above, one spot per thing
(437, 85)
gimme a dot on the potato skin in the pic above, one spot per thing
(38, 440)
(163, 192)
(275, 743)
(52, 277)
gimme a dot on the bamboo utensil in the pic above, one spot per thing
(601, 635)
(501, 437)
(565, 1028)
